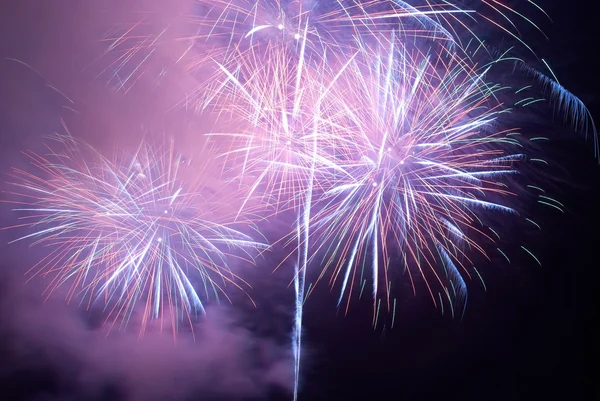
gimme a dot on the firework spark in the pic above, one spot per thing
(128, 231)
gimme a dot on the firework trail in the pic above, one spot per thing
(280, 144)
(128, 231)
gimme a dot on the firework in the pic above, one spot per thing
(423, 155)
(128, 231)
(278, 138)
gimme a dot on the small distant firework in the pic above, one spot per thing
(127, 231)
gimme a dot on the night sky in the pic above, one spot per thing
(531, 335)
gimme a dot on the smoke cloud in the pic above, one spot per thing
(64, 349)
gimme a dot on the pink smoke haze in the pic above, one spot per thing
(50, 73)
(224, 359)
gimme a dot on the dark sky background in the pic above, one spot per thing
(530, 336)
